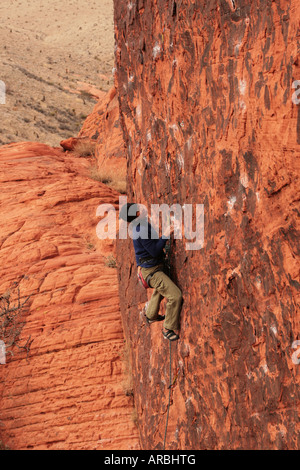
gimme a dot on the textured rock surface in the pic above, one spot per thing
(68, 393)
(205, 91)
(103, 125)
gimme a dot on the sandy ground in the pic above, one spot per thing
(49, 50)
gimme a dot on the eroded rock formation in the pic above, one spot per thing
(205, 92)
(206, 112)
(70, 391)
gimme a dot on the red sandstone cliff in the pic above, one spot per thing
(69, 392)
(205, 92)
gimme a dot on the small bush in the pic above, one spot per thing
(135, 417)
(3, 446)
(100, 175)
(120, 186)
(12, 308)
(112, 177)
(90, 246)
(84, 148)
(110, 261)
(127, 383)
(86, 95)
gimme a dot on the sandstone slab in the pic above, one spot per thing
(67, 392)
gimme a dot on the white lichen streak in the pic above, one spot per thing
(156, 50)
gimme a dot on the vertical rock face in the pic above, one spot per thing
(69, 391)
(103, 125)
(209, 117)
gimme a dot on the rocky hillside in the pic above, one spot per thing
(67, 384)
(205, 92)
(55, 57)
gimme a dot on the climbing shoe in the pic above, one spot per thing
(158, 318)
(170, 335)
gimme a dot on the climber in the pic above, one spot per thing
(150, 261)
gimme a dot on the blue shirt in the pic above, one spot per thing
(146, 247)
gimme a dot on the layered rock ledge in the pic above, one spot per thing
(68, 391)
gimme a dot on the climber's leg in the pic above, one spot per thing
(156, 298)
(154, 305)
(164, 286)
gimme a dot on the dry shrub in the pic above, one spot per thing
(113, 177)
(3, 446)
(12, 308)
(87, 95)
(110, 261)
(84, 148)
(127, 383)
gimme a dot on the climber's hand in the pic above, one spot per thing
(169, 231)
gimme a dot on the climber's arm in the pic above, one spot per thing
(154, 247)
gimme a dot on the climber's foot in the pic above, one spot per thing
(158, 318)
(170, 335)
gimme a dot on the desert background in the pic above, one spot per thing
(56, 57)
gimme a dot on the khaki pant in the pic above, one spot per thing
(163, 287)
